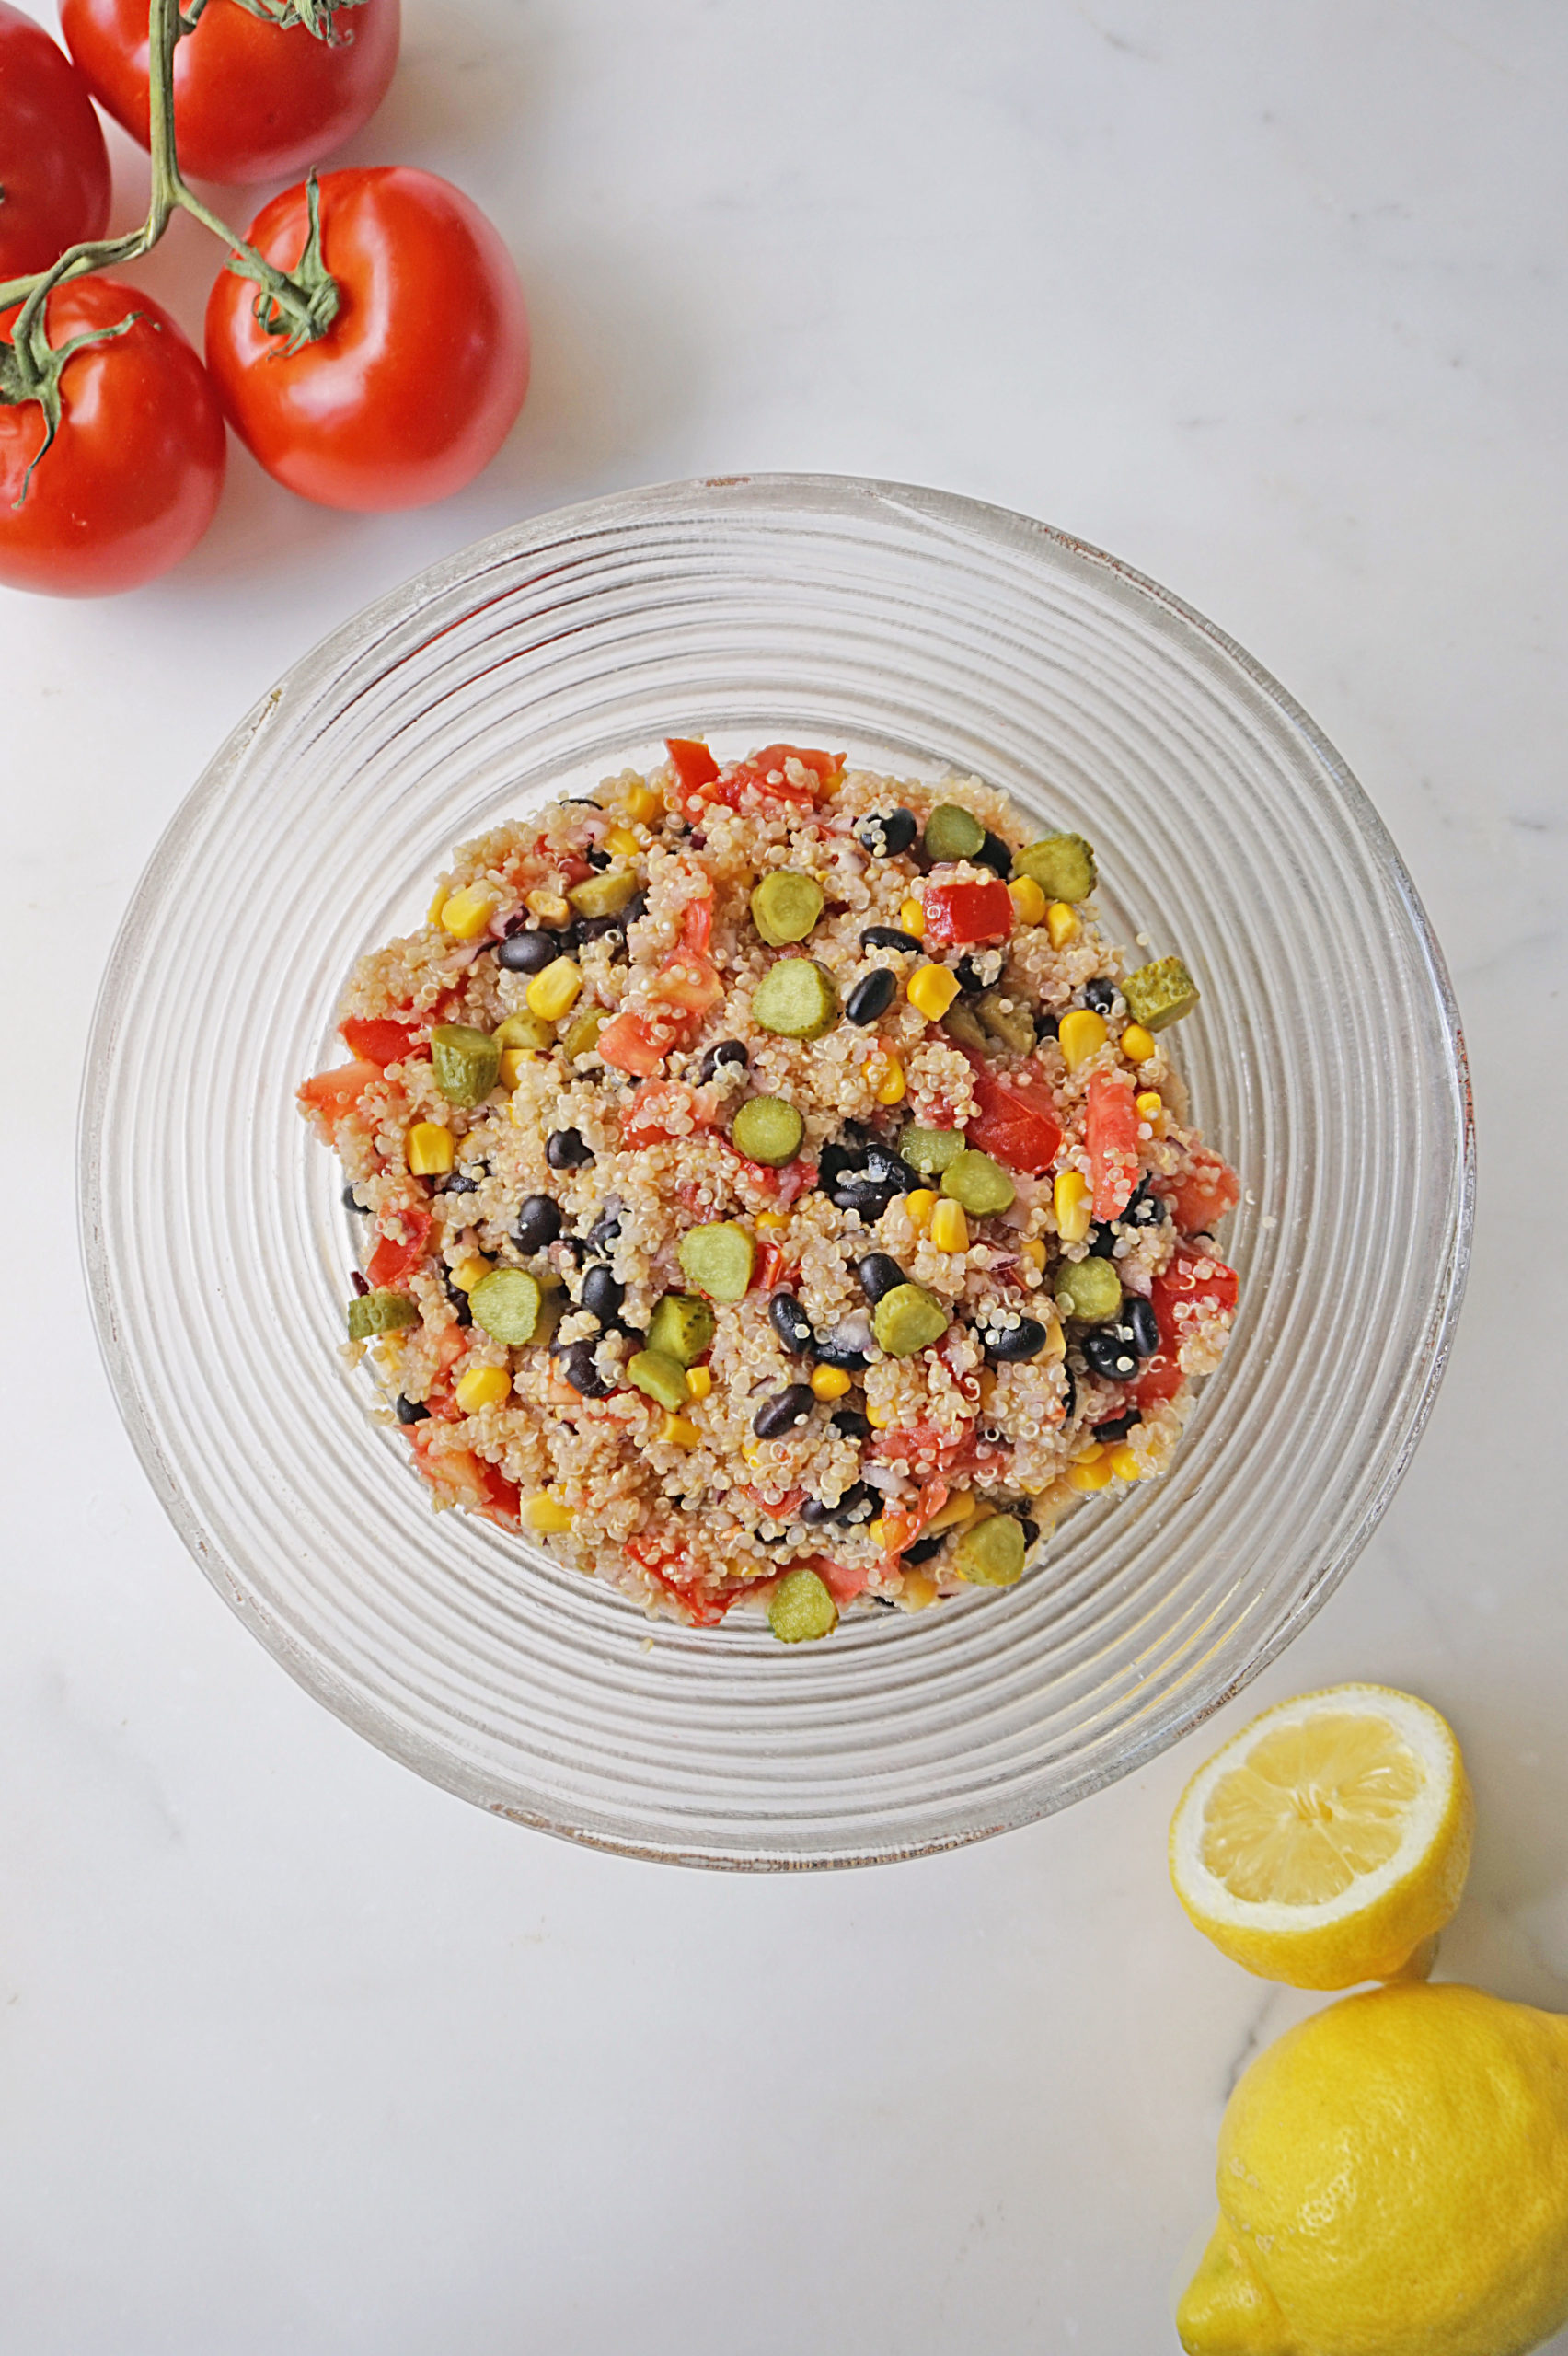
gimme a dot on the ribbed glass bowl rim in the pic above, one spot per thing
(760, 498)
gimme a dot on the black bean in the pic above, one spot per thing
(852, 1424)
(527, 953)
(580, 801)
(969, 977)
(1108, 1352)
(459, 1299)
(1101, 994)
(994, 853)
(870, 998)
(359, 1283)
(879, 1272)
(602, 1235)
(565, 1150)
(888, 834)
(791, 1324)
(1117, 1427)
(577, 1364)
(1147, 1209)
(596, 858)
(857, 1504)
(458, 1183)
(1142, 1324)
(1030, 1531)
(411, 1410)
(829, 1351)
(1070, 1395)
(864, 1178)
(812, 1510)
(728, 1051)
(602, 1293)
(352, 1202)
(600, 927)
(887, 936)
(1101, 1240)
(572, 1251)
(1023, 1340)
(538, 1223)
(781, 1413)
(1046, 1027)
(923, 1550)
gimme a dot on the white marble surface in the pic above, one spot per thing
(297, 2054)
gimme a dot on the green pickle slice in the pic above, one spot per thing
(1063, 866)
(510, 1306)
(718, 1259)
(785, 906)
(1090, 1291)
(467, 1062)
(525, 1030)
(583, 1034)
(990, 1553)
(385, 1312)
(681, 1327)
(768, 1130)
(658, 1378)
(796, 999)
(1010, 1025)
(928, 1150)
(1159, 993)
(605, 894)
(980, 1184)
(908, 1318)
(953, 832)
(801, 1609)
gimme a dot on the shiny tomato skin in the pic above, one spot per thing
(134, 477)
(415, 385)
(53, 164)
(252, 100)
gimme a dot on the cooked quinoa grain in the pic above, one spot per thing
(964, 1274)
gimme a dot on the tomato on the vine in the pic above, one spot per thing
(53, 165)
(253, 101)
(415, 384)
(132, 478)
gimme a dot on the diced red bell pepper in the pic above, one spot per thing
(632, 1045)
(1160, 1379)
(1194, 1284)
(1111, 1131)
(334, 1093)
(404, 1235)
(377, 1041)
(1017, 1122)
(965, 913)
(1207, 1189)
(693, 763)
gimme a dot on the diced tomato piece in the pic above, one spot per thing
(1207, 1191)
(404, 1235)
(647, 1118)
(696, 922)
(632, 1045)
(1110, 1130)
(842, 1583)
(1161, 1379)
(335, 1094)
(1017, 1123)
(665, 1563)
(375, 1040)
(502, 1496)
(468, 1479)
(1194, 1286)
(966, 913)
(687, 979)
(769, 1267)
(693, 763)
(764, 769)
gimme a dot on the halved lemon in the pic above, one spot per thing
(1329, 1842)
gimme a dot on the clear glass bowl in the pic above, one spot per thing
(920, 632)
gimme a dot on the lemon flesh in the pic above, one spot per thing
(1329, 1842)
(1394, 2181)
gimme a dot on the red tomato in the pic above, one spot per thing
(646, 1119)
(631, 1045)
(334, 1094)
(415, 385)
(1017, 1122)
(376, 1041)
(965, 913)
(133, 474)
(1111, 1132)
(756, 776)
(664, 1562)
(693, 763)
(404, 1235)
(842, 1583)
(252, 100)
(1208, 1189)
(53, 164)
(1161, 1379)
(688, 980)
(465, 1478)
(1192, 1286)
(696, 923)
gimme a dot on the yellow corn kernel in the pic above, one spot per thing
(428, 1150)
(641, 804)
(513, 1060)
(621, 843)
(751, 1450)
(1137, 1045)
(482, 1386)
(1033, 1251)
(917, 1592)
(1090, 1452)
(879, 1534)
(544, 1512)
(1080, 1034)
(1072, 1198)
(1124, 1463)
(1089, 1476)
(769, 1222)
(1028, 899)
(1061, 923)
(432, 914)
(1055, 1340)
(550, 994)
(878, 1417)
(469, 1272)
(912, 918)
(550, 907)
(887, 1075)
(950, 1229)
(699, 1380)
(676, 1432)
(959, 1509)
(465, 914)
(919, 1206)
(932, 989)
(1148, 1105)
(829, 1383)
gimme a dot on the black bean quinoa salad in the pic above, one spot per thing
(777, 1190)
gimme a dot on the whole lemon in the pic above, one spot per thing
(1394, 2181)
